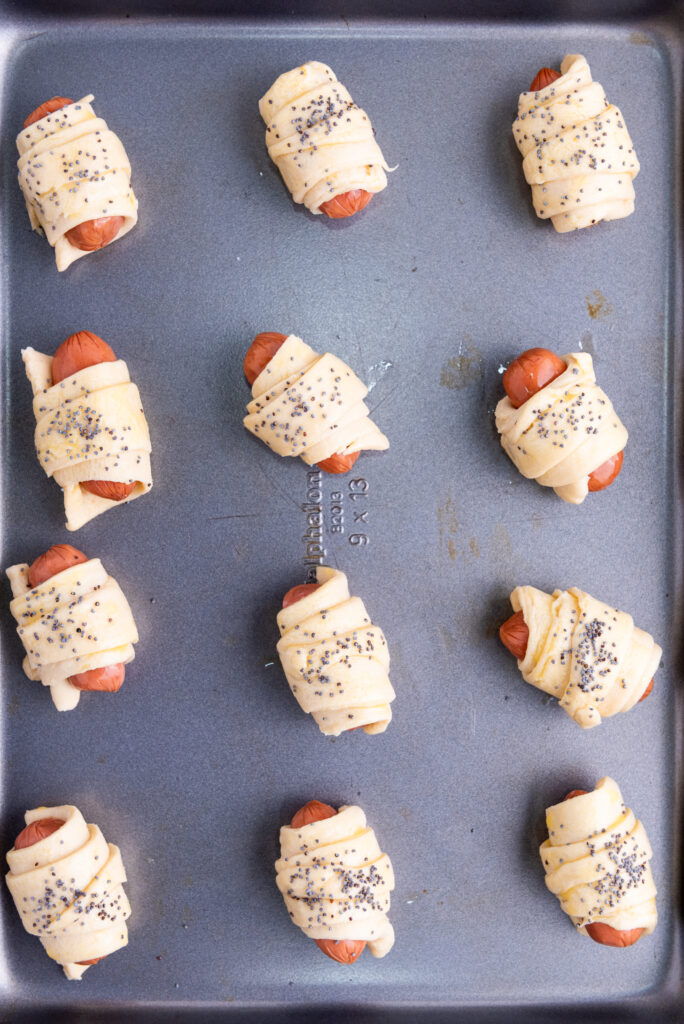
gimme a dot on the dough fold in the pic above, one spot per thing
(320, 141)
(587, 654)
(72, 168)
(597, 861)
(577, 153)
(336, 881)
(335, 660)
(311, 405)
(90, 426)
(68, 890)
(77, 620)
(564, 432)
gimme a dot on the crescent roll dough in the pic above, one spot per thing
(75, 621)
(72, 168)
(590, 656)
(564, 432)
(320, 141)
(311, 405)
(336, 881)
(90, 426)
(335, 661)
(596, 861)
(577, 153)
(68, 890)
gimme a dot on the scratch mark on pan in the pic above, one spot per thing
(248, 515)
(382, 402)
(288, 497)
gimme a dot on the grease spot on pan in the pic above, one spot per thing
(598, 306)
(462, 369)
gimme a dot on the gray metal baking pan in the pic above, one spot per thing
(441, 281)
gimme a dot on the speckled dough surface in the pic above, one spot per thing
(336, 661)
(90, 426)
(590, 656)
(322, 143)
(68, 890)
(75, 621)
(72, 168)
(564, 432)
(578, 155)
(597, 861)
(336, 881)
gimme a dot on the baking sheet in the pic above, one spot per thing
(203, 754)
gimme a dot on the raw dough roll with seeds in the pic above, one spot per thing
(584, 652)
(564, 432)
(335, 660)
(597, 862)
(67, 885)
(90, 426)
(311, 405)
(321, 142)
(577, 153)
(336, 881)
(76, 621)
(73, 169)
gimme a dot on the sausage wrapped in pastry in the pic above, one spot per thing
(75, 624)
(335, 660)
(67, 884)
(76, 179)
(336, 881)
(310, 405)
(577, 153)
(587, 654)
(321, 142)
(562, 432)
(597, 862)
(91, 433)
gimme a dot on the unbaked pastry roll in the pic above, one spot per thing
(597, 862)
(335, 660)
(335, 880)
(564, 432)
(67, 885)
(90, 426)
(311, 405)
(76, 621)
(577, 153)
(584, 652)
(321, 142)
(73, 169)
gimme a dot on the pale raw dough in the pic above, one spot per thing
(68, 890)
(587, 654)
(577, 153)
(596, 861)
(90, 426)
(336, 881)
(335, 660)
(311, 405)
(564, 432)
(320, 141)
(75, 621)
(72, 168)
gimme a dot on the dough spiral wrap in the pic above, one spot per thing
(564, 432)
(77, 620)
(321, 142)
(68, 890)
(336, 881)
(335, 660)
(72, 168)
(311, 405)
(577, 153)
(596, 861)
(587, 654)
(90, 426)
